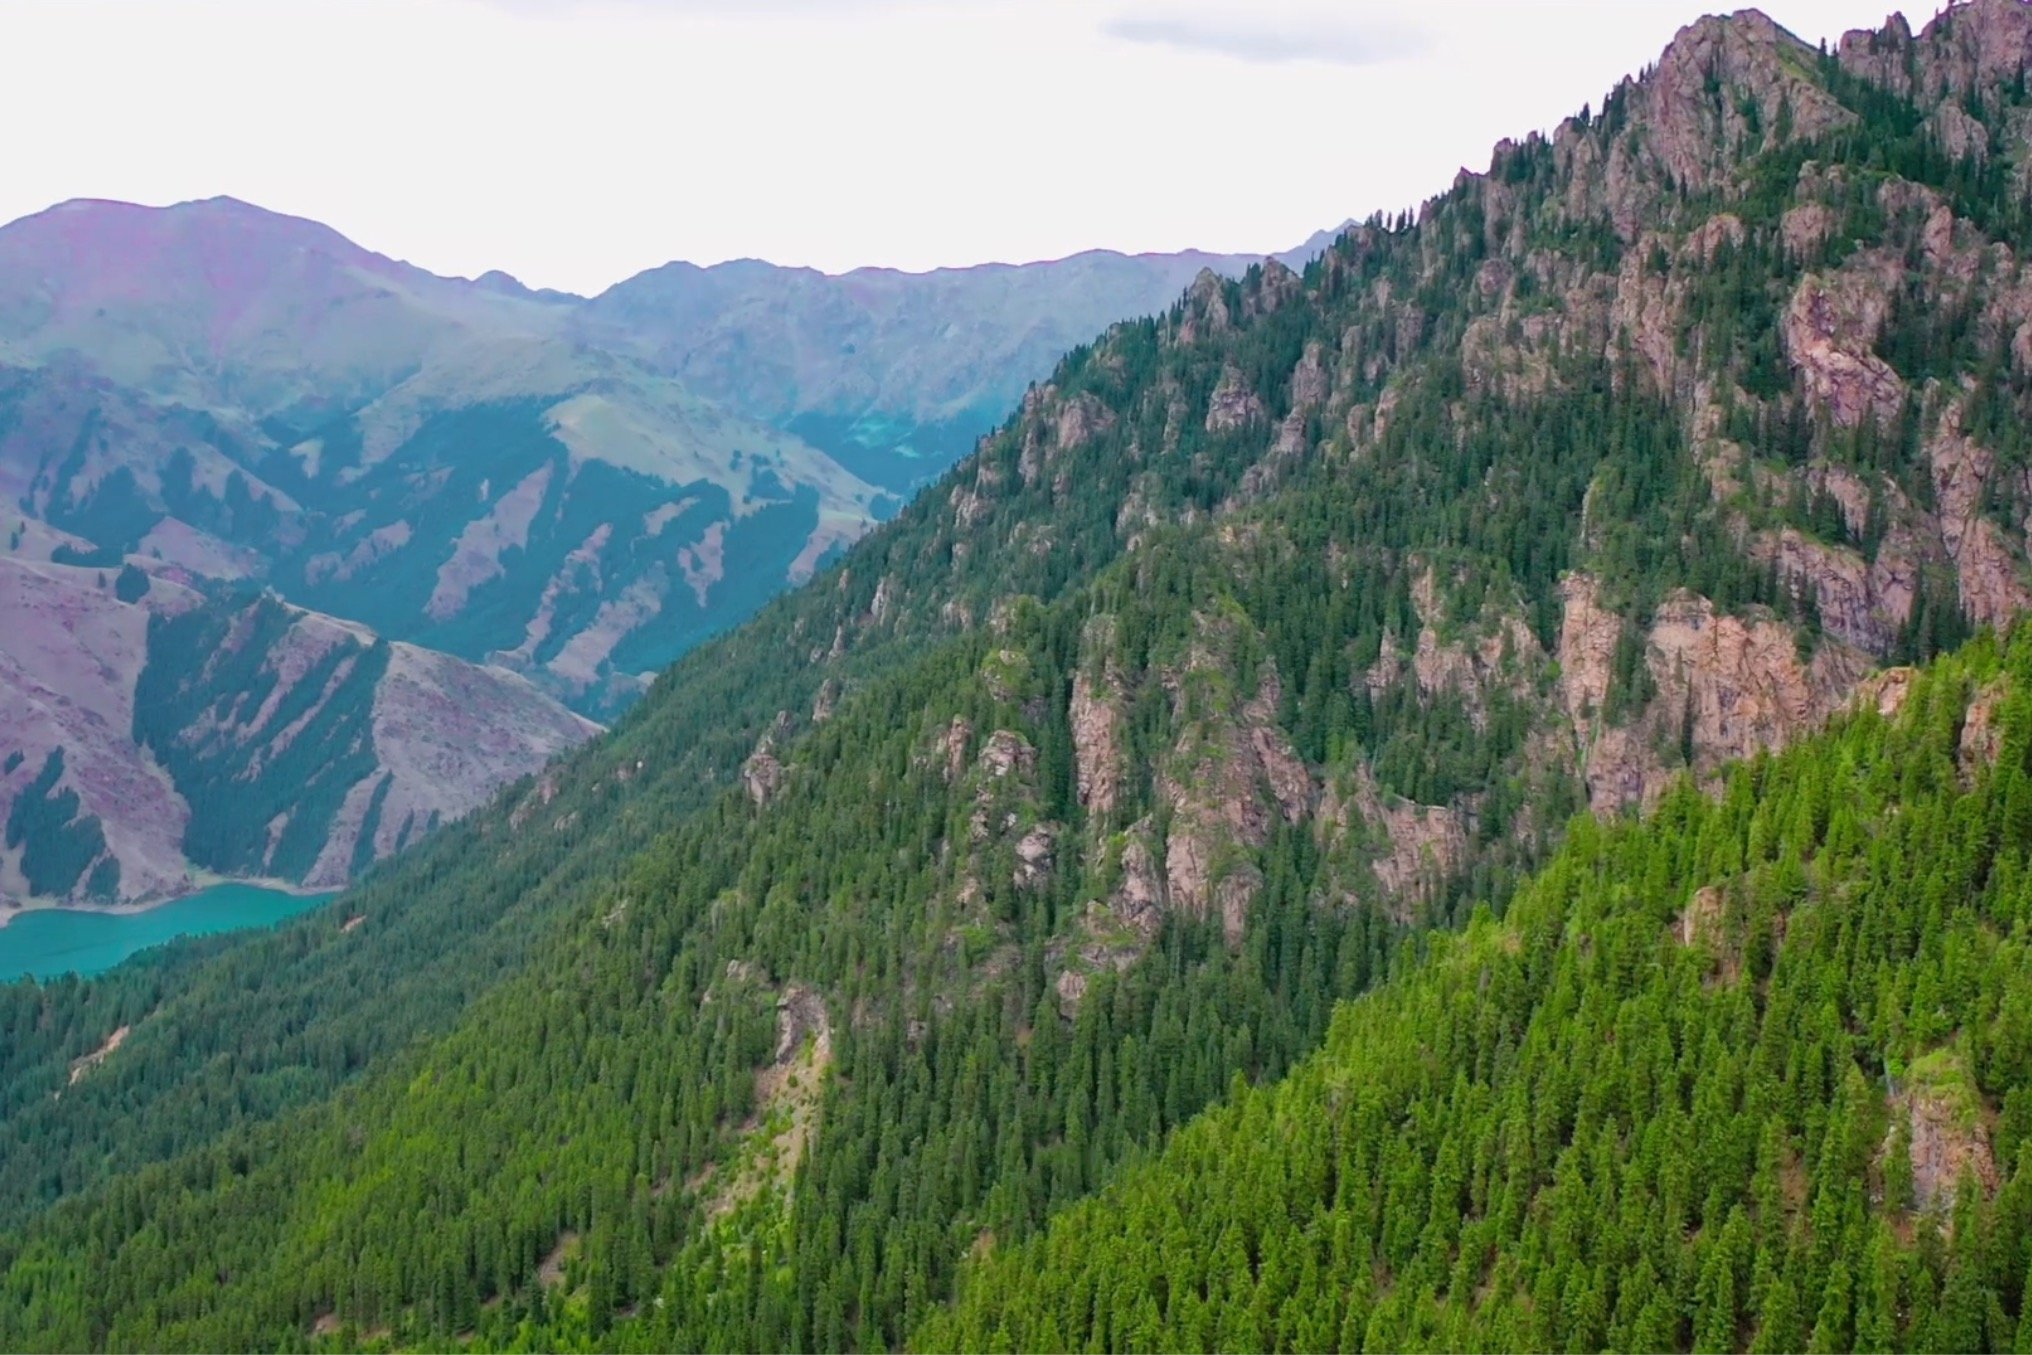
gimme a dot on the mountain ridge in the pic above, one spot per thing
(245, 398)
(1269, 634)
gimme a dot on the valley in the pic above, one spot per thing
(494, 514)
(1469, 790)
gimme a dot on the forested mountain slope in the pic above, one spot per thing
(1755, 1073)
(1270, 630)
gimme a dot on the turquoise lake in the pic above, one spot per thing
(53, 941)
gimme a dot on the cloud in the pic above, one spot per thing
(1249, 34)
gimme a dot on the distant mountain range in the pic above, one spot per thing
(557, 495)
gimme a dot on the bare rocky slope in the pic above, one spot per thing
(153, 735)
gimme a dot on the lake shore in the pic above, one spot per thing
(198, 884)
(49, 942)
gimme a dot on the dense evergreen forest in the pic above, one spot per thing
(1753, 1074)
(878, 980)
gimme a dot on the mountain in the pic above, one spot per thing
(895, 375)
(227, 398)
(253, 396)
(1703, 1087)
(152, 732)
(1272, 635)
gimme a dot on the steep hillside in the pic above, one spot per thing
(150, 730)
(1269, 631)
(1756, 1073)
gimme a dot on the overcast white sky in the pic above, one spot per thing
(573, 142)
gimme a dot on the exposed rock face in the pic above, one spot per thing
(1008, 752)
(1727, 686)
(1114, 934)
(1234, 404)
(953, 745)
(1498, 655)
(1097, 722)
(1992, 584)
(1414, 848)
(827, 699)
(1949, 1141)
(1310, 381)
(1587, 649)
(1885, 692)
(1082, 419)
(1829, 327)
(763, 774)
(1206, 308)
(1982, 732)
(1231, 771)
(1034, 856)
(1860, 604)
(1745, 682)
(1702, 916)
(1694, 138)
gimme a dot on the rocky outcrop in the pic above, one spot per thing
(1700, 920)
(824, 703)
(1940, 1111)
(1205, 309)
(1726, 687)
(1885, 692)
(1696, 138)
(1861, 604)
(1034, 859)
(1098, 731)
(1982, 730)
(1496, 653)
(1411, 849)
(1588, 634)
(1988, 570)
(1234, 404)
(1007, 753)
(763, 774)
(1311, 382)
(1231, 772)
(1829, 328)
(1082, 419)
(1114, 933)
